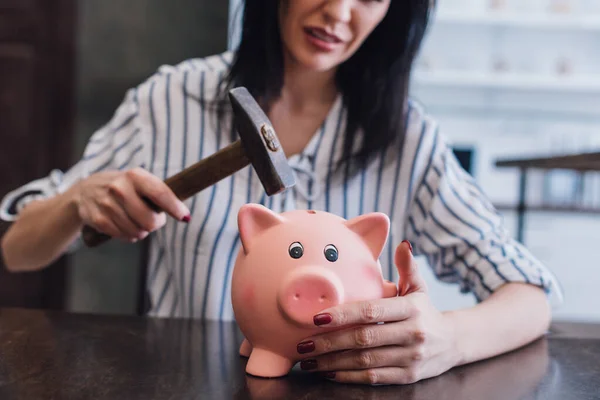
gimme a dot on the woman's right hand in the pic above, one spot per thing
(112, 203)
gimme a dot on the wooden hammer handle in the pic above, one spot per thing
(190, 181)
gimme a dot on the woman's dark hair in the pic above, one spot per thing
(374, 81)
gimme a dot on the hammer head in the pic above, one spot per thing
(260, 142)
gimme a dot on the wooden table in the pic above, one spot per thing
(584, 162)
(51, 355)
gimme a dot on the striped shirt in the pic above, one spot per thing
(162, 126)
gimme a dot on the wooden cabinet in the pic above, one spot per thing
(36, 119)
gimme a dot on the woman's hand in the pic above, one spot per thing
(415, 342)
(112, 202)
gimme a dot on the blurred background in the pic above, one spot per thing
(517, 79)
(507, 79)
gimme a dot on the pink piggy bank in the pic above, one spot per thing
(292, 266)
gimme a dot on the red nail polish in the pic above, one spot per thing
(409, 245)
(186, 219)
(322, 319)
(307, 365)
(306, 347)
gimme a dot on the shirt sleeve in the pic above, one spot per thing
(454, 225)
(115, 146)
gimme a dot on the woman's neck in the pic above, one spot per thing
(305, 90)
(306, 99)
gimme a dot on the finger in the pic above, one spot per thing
(389, 289)
(127, 227)
(136, 209)
(410, 279)
(388, 356)
(391, 309)
(103, 224)
(376, 376)
(150, 186)
(361, 337)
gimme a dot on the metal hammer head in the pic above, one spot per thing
(260, 142)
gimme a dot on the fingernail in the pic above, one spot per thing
(327, 375)
(187, 218)
(306, 347)
(409, 245)
(307, 365)
(322, 319)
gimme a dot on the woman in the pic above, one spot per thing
(332, 76)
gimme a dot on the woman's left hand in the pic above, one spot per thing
(415, 342)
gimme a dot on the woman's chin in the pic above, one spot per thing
(318, 63)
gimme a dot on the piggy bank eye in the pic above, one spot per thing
(331, 253)
(296, 250)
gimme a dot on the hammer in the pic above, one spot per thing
(258, 145)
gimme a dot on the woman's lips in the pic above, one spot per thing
(322, 34)
(321, 39)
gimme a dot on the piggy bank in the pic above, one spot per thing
(293, 265)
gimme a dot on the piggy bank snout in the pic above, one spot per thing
(307, 291)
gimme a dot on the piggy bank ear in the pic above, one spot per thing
(373, 228)
(254, 219)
